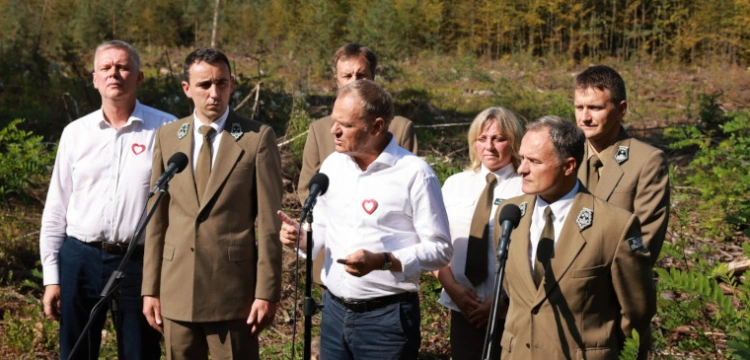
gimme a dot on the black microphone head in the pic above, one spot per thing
(511, 213)
(180, 160)
(320, 180)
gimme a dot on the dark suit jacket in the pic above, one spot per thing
(204, 261)
(640, 185)
(596, 290)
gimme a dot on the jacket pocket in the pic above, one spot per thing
(599, 353)
(506, 342)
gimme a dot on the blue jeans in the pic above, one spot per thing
(388, 333)
(84, 271)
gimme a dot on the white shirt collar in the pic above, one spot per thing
(561, 207)
(218, 124)
(504, 173)
(135, 116)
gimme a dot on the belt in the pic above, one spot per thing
(374, 303)
(111, 247)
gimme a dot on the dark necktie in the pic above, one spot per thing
(203, 168)
(479, 234)
(544, 247)
(594, 165)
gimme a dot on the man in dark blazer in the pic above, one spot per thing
(209, 283)
(625, 172)
(351, 62)
(578, 275)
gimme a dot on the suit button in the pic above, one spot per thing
(192, 249)
(528, 346)
(534, 311)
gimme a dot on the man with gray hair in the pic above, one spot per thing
(382, 223)
(578, 276)
(98, 189)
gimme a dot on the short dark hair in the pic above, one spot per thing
(207, 55)
(355, 50)
(376, 102)
(603, 77)
(567, 139)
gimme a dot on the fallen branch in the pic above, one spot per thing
(284, 143)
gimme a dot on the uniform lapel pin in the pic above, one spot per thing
(183, 131)
(523, 208)
(585, 217)
(622, 154)
(236, 131)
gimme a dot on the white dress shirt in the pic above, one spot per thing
(460, 193)
(218, 126)
(100, 182)
(393, 206)
(560, 210)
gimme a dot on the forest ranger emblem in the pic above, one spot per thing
(236, 131)
(622, 154)
(183, 131)
(585, 217)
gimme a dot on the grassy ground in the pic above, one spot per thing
(430, 91)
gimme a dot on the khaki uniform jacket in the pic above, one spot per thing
(639, 184)
(597, 288)
(204, 260)
(320, 144)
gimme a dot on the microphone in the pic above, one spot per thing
(509, 217)
(177, 163)
(318, 186)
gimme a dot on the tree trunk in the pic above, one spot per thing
(216, 21)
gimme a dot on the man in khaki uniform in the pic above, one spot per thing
(578, 275)
(623, 171)
(351, 62)
(209, 283)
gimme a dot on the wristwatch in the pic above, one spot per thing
(388, 263)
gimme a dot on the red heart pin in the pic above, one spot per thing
(138, 148)
(370, 205)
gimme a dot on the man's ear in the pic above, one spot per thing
(622, 108)
(569, 166)
(378, 126)
(139, 81)
(186, 89)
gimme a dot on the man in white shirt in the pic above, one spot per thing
(382, 222)
(98, 189)
(578, 273)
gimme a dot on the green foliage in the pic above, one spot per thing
(630, 350)
(24, 160)
(443, 168)
(26, 331)
(299, 122)
(719, 170)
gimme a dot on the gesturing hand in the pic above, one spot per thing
(289, 231)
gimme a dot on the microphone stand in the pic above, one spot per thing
(114, 284)
(502, 256)
(309, 306)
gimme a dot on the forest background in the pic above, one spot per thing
(685, 63)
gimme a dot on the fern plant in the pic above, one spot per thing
(23, 159)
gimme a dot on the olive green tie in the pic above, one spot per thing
(203, 168)
(479, 234)
(544, 247)
(594, 165)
